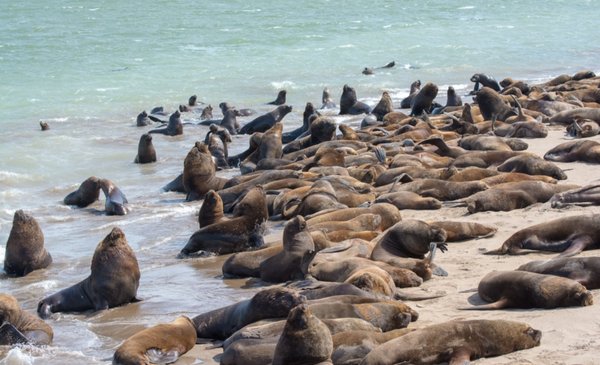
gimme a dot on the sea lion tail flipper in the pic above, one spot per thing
(500, 251)
(403, 295)
(10, 335)
(157, 356)
(499, 304)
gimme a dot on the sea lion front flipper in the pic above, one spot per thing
(460, 356)
(10, 335)
(157, 356)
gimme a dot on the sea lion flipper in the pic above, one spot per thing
(460, 356)
(157, 356)
(499, 304)
(10, 335)
(576, 246)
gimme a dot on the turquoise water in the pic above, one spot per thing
(88, 68)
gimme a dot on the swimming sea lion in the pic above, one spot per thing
(280, 100)
(142, 119)
(305, 339)
(568, 235)
(174, 128)
(24, 327)
(423, 100)
(87, 193)
(268, 303)
(243, 231)
(207, 113)
(146, 152)
(266, 121)
(522, 289)
(160, 344)
(25, 250)
(114, 280)
(349, 103)
(455, 342)
(584, 270)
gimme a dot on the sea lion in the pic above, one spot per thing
(485, 81)
(568, 235)
(230, 122)
(350, 347)
(384, 106)
(414, 89)
(142, 119)
(268, 303)
(443, 190)
(589, 194)
(160, 344)
(243, 231)
(25, 250)
(211, 210)
(566, 117)
(584, 270)
(422, 267)
(24, 327)
(363, 222)
(298, 250)
(199, 171)
(146, 152)
(455, 342)
(114, 280)
(174, 127)
(305, 339)
(411, 238)
(321, 196)
(389, 214)
(532, 165)
(522, 289)
(409, 200)
(584, 151)
(266, 121)
(217, 140)
(460, 231)
(269, 148)
(309, 110)
(322, 129)
(115, 201)
(349, 103)
(280, 100)
(492, 105)
(44, 126)
(207, 113)
(326, 100)
(87, 193)
(583, 128)
(423, 100)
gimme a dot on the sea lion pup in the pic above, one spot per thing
(211, 210)
(114, 280)
(485, 81)
(268, 303)
(217, 140)
(569, 235)
(584, 151)
(414, 89)
(242, 232)
(115, 201)
(309, 110)
(584, 270)
(87, 193)
(327, 100)
(25, 250)
(387, 315)
(460, 231)
(305, 339)
(266, 121)
(522, 289)
(384, 106)
(587, 195)
(389, 214)
(160, 344)
(146, 152)
(532, 165)
(25, 327)
(491, 104)
(142, 119)
(583, 128)
(349, 103)
(173, 128)
(280, 100)
(199, 171)
(423, 101)
(298, 250)
(409, 200)
(321, 196)
(455, 342)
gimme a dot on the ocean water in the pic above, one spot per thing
(88, 68)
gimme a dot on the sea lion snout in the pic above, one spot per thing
(585, 298)
(536, 335)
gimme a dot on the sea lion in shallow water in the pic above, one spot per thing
(568, 235)
(160, 344)
(349, 103)
(455, 342)
(113, 281)
(266, 121)
(305, 339)
(522, 289)
(25, 250)
(115, 201)
(174, 128)
(211, 210)
(24, 327)
(87, 193)
(280, 100)
(146, 152)
(414, 89)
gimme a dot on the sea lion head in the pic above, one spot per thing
(277, 301)
(192, 100)
(299, 317)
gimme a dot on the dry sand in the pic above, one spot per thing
(568, 334)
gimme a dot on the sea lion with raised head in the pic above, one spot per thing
(173, 128)
(229, 121)
(384, 106)
(160, 344)
(19, 327)
(326, 100)
(455, 342)
(492, 105)
(414, 89)
(142, 119)
(243, 231)
(423, 100)
(309, 110)
(114, 280)
(280, 100)
(87, 193)
(217, 139)
(199, 171)
(485, 81)
(211, 210)
(25, 250)
(349, 103)
(146, 152)
(522, 289)
(266, 121)
(568, 235)
(268, 303)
